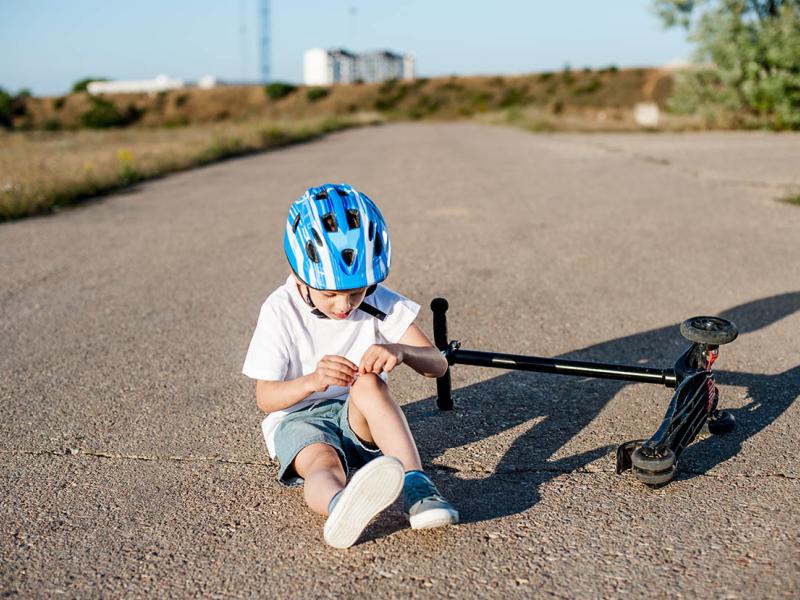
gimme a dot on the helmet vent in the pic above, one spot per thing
(296, 223)
(312, 252)
(348, 255)
(323, 195)
(329, 221)
(317, 238)
(371, 230)
(378, 245)
(353, 219)
(343, 191)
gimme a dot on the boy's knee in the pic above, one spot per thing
(368, 382)
(316, 456)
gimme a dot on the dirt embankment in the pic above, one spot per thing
(554, 93)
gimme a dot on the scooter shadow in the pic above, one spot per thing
(551, 410)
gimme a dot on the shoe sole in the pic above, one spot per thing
(374, 487)
(436, 517)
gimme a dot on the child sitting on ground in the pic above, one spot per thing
(323, 345)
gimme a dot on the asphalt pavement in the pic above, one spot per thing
(130, 450)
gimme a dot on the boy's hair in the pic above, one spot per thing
(336, 239)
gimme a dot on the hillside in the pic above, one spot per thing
(565, 92)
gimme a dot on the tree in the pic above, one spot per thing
(82, 84)
(13, 106)
(747, 55)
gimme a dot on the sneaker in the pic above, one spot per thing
(374, 487)
(424, 505)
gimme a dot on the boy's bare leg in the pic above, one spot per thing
(377, 419)
(319, 465)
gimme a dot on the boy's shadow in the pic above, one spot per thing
(558, 408)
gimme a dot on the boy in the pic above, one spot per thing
(323, 345)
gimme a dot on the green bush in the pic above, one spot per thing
(179, 121)
(316, 93)
(5, 108)
(278, 89)
(390, 95)
(452, 86)
(426, 105)
(82, 84)
(387, 86)
(51, 124)
(59, 102)
(104, 114)
(588, 88)
(479, 101)
(14, 106)
(513, 96)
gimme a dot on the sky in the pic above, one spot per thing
(47, 45)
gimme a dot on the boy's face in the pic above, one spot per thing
(336, 305)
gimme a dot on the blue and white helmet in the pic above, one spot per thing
(336, 239)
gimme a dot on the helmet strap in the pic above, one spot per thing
(316, 312)
(367, 308)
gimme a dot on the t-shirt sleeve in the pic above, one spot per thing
(400, 313)
(267, 357)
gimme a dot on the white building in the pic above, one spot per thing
(326, 67)
(161, 83)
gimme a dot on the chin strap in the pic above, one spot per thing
(367, 308)
(371, 310)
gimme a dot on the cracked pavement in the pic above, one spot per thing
(132, 462)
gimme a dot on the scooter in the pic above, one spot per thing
(693, 404)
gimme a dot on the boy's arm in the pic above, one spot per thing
(420, 354)
(331, 370)
(277, 395)
(414, 349)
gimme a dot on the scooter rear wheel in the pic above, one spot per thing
(709, 330)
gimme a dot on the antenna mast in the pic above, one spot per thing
(263, 45)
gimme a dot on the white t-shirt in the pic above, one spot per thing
(289, 341)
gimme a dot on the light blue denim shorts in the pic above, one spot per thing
(327, 423)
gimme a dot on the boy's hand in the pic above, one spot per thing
(381, 357)
(333, 370)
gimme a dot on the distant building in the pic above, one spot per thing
(323, 67)
(161, 83)
(326, 67)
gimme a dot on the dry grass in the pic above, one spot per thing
(540, 119)
(436, 98)
(41, 171)
(793, 200)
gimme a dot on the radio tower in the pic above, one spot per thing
(263, 41)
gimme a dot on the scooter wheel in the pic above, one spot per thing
(654, 479)
(709, 330)
(721, 421)
(653, 470)
(642, 461)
